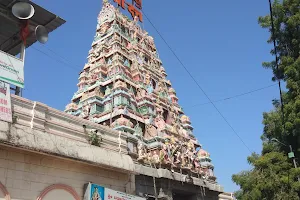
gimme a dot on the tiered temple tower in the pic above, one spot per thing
(124, 86)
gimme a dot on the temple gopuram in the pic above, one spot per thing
(124, 86)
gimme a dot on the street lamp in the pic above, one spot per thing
(291, 154)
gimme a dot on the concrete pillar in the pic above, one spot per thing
(130, 186)
(167, 194)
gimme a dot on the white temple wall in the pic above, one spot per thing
(29, 176)
(45, 155)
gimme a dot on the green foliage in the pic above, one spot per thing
(273, 175)
(95, 139)
(287, 33)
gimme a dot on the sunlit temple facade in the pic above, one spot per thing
(124, 86)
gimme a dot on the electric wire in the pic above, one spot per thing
(64, 63)
(62, 57)
(235, 96)
(196, 82)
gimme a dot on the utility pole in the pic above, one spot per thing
(291, 155)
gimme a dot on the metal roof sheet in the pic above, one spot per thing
(10, 40)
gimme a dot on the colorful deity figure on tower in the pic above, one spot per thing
(124, 86)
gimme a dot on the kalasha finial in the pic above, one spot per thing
(105, 1)
(136, 19)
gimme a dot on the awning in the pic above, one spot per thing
(10, 41)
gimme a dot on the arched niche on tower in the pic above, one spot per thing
(165, 115)
(153, 84)
(58, 191)
(4, 193)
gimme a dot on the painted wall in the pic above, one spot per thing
(31, 176)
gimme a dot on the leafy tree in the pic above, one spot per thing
(287, 34)
(272, 178)
(273, 175)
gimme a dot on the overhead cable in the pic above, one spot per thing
(235, 96)
(198, 85)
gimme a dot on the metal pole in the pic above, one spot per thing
(22, 53)
(294, 160)
(17, 91)
(22, 57)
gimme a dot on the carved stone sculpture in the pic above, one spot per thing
(107, 91)
(120, 83)
(160, 123)
(141, 92)
(150, 132)
(141, 151)
(85, 110)
(122, 122)
(138, 130)
(155, 158)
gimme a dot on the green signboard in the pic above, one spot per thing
(11, 69)
(291, 155)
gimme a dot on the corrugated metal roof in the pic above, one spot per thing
(10, 41)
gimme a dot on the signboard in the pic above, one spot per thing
(5, 104)
(291, 155)
(134, 8)
(97, 192)
(11, 69)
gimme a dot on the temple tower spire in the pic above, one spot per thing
(124, 86)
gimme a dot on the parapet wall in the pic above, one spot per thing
(37, 127)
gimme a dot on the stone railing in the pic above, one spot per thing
(40, 128)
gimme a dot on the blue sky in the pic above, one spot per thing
(221, 44)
